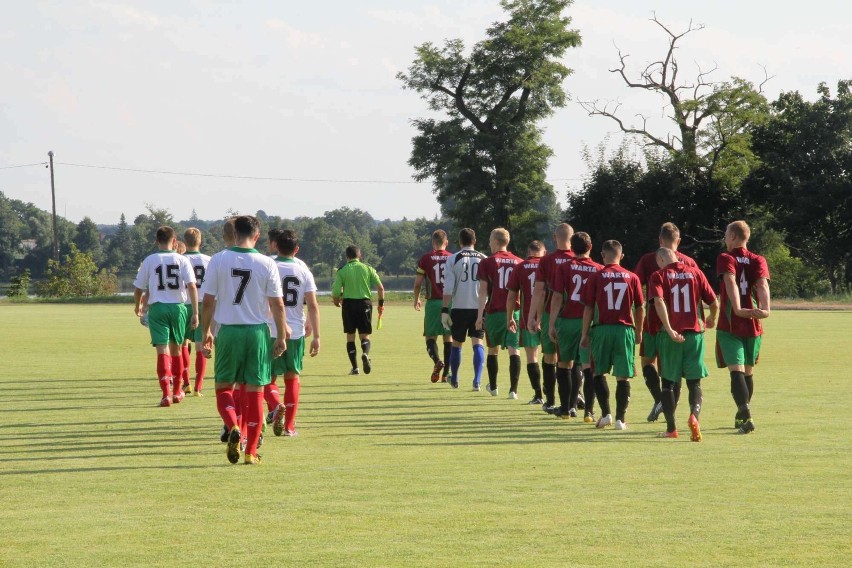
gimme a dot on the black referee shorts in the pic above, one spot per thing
(464, 325)
(357, 316)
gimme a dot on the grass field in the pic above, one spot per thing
(391, 470)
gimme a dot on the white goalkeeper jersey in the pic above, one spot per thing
(461, 278)
(165, 275)
(242, 280)
(296, 281)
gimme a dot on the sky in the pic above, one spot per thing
(307, 91)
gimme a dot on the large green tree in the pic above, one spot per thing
(486, 158)
(806, 174)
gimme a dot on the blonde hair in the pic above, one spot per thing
(192, 237)
(740, 230)
(229, 232)
(500, 235)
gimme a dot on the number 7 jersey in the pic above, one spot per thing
(242, 280)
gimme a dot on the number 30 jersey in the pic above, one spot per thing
(165, 275)
(242, 280)
(461, 279)
(296, 281)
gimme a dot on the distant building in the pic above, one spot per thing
(29, 245)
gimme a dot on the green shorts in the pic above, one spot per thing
(648, 347)
(569, 331)
(167, 323)
(734, 350)
(193, 334)
(681, 360)
(531, 339)
(613, 347)
(243, 354)
(547, 346)
(432, 326)
(291, 360)
(496, 332)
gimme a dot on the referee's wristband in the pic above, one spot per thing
(381, 302)
(445, 310)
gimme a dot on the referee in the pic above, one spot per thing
(352, 285)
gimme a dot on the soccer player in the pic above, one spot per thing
(241, 287)
(745, 301)
(522, 287)
(677, 291)
(539, 317)
(461, 289)
(613, 302)
(351, 292)
(299, 288)
(566, 326)
(166, 278)
(494, 274)
(669, 238)
(430, 268)
(199, 262)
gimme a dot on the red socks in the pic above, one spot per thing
(177, 371)
(164, 374)
(239, 391)
(200, 368)
(291, 403)
(253, 415)
(272, 396)
(184, 353)
(227, 407)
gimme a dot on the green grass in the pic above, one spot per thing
(391, 470)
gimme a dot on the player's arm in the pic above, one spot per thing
(381, 291)
(511, 300)
(483, 299)
(418, 283)
(314, 320)
(192, 290)
(556, 302)
(208, 306)
(761, 287)
(137, 301)
(729, 281)
(276, 308)
(337, 289)
(638, 320)
(714, 313)
(663, 313)
(585, 341)
(536, 307)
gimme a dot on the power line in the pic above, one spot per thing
(23, 165)
(225, 176)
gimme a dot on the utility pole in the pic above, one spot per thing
(53, 195)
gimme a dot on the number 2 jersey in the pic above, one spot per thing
(613, 292)
(296, 281)
(570, 280)
(432, 266)
(496, 270)
(747, 268)
(165, 275)
(683, 288)
(242, 280)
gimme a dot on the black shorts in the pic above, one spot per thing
(464, 325)
(357, 315)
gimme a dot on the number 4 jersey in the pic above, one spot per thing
(242, 280)
(747, 268)
(165, 275)
(613, 293)
(296, 281)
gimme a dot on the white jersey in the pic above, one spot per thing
(461, 278)
(296, 281)
(199, 264)
(242, 280)
(165, 275)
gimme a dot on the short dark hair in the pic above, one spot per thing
(535, 246)
(439, 237)
(286, 241)
(581, 243)
(246, 226)
(165, 234)
(273, 233)
(467, 237)
(611, 247)
(353, 251)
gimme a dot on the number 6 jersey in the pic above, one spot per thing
(296, 281)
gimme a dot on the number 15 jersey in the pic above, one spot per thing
(165, 275)
(242, 280)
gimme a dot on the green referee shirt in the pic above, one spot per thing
(354, 281)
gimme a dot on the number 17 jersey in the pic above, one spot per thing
(242, 280)
(613, 293)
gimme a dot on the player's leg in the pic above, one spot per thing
(459, 334)
(492, 366)
(512, 342)
(349, 330)
(229, 347)
(602, 358)
(177, 324)
(158, 327)
(364, 323)
(448, 349)
(671, 370)
(177, 371)
(257, 374)
(622, 346)
(533, 369)
(200, 368)
(185, 353)
(432, 328)
(477, 336)
(568, 344)
(271, 392)
(731, 353)
(548, 366)
(588, 394)
(648, 355)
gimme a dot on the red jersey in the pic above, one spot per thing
(747, 269)
(547, 272)
(431, 265)
(613, 293)
(683, 288)
(496, 270)
(570, 280)
(647, 266)
(523, 282)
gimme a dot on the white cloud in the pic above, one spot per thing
(296, 38)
